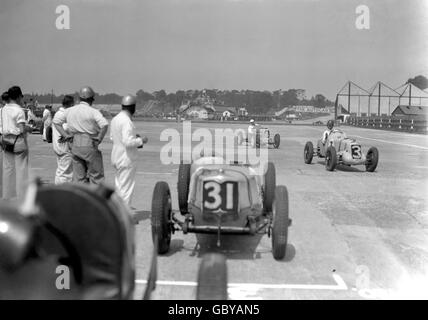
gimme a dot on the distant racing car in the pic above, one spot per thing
(258, 136)
(219, 198)
(339, 149)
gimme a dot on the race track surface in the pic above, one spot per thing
(355, 234)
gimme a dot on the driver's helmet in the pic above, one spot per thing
(330, 124)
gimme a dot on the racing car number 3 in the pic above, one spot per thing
(222, 196)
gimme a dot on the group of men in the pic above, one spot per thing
(77, 131)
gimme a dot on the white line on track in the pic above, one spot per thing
(340, 285)
(391, 142)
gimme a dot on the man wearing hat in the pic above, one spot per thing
(87, 126)
(125, 144)
(13, 131)
(47, 121)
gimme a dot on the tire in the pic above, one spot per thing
(276, 141)
(330, 158)
(49, 134)
(372, 159)
(308, 152)
(269, 187)
(183, 186)
(161, 216)
(258, 139)
(280, 223)
(212, 278)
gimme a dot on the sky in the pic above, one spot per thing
(123, 46)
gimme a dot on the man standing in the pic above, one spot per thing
(4, 101)
(125, 145)
(15, 148)
(87, 127)
(64, 171)
(47, 121)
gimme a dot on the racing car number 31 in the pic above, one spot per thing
(223, 196)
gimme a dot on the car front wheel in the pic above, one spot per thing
(276, 140)
(280, 223)
(308, 153)
(372, 159)
(330, 158)
(161, 217)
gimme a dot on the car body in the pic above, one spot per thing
(339, 149)
(34, 120)
(220, 198)
(257, 136)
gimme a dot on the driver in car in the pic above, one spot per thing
(330, 125)
(251, 130)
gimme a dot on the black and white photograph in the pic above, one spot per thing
(220, 150)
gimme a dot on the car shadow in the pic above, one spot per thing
(346, 168)
(343, 167)
(175, 246)
(236, 247)
(140, 215)
(241, 247)
(289, 254)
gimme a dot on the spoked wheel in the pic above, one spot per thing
(372, 159)
(212, 278)
(330, 158)
(308, 153)
(161, 216)
(276, 141)
(280, 223)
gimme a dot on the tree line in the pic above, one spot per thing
(254, 101)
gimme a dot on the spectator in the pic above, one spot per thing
(15, 146)
(47, 121)
(87, 127)
(61, 146)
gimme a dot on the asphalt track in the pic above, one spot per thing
(355, 234)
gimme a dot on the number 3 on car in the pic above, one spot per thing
(220, 196)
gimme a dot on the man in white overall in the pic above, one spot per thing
(125, 144)
(64, 158)
(47, 120)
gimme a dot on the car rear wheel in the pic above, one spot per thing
(269, 187)
(257, 139)
(308, 153)
(212, 278)
(280, 223)
(276, 141)
(161, 216)
(183, 186)
(372, 159)
(330, 158)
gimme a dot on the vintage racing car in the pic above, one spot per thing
(85, 234)
(258, 136)
(339, 149)
(220, 198)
